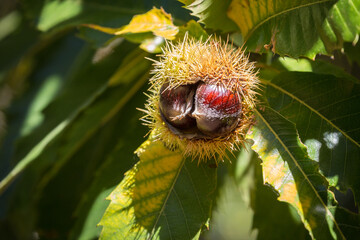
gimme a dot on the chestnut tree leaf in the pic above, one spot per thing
(82, 140)
(326, 112)
(212, 13)
(194, 29)
(297, 28)
(352, 51)
(318, 66)
(73, 13)
(76, 124)
(294, 28)
(289, 169)
(156, 21)
(265, 205)
(163, 196)
(116, 150)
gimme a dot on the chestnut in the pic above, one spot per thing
(217, 109)
(176, 105)
(200, 110)
(207, 99)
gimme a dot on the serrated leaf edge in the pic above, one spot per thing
(280, 13)
(266, 82)
(329, 213)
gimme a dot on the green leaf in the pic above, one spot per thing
(164, 196)
(186, 2)
(92, 206)
(127, 134)
(352, 51)
(275, 217)
(14, 45)
(250, 15)
(326, 112)
(266, 205)
(318, 66)
(33, 103)
(288, 168)
(132, 65)
(91, 112)
(103, 160)
(150, 29)
(350, 222)
(296, 28)
(85, 126)
(194, 30)
(212, 14)
(231, 217)
(156, 21)
(72, 13)
(65, 9)
(153, 44)
(82, 75)
(51, 59)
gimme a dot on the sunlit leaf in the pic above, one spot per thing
(153, 44)
(318, 66)
(250, 15)
(71, 13)
(212, 13)
(326, 112)
(164, 196)
(297, 28)
(186, 2)
(231, 217)
(194, 30)
(285, 221)
(66, 10)
(288, 168)
(156, 21)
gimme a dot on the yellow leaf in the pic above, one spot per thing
(139, 199)
(156, 21)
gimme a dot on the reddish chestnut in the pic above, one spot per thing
(217, 109)
(200, 110)
(176, 105)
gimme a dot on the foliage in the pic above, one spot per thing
(73, 74)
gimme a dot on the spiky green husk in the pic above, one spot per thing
(212, 62)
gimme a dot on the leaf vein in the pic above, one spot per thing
(312, 109)
(256, 26)
(183, 212)
(301, 170)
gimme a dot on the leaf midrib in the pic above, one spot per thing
(256, 26)
(301, 170)
(167, 198)
(311, 109)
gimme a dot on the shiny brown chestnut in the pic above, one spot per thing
(217, 109)
(176, 105)
(200, 110)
